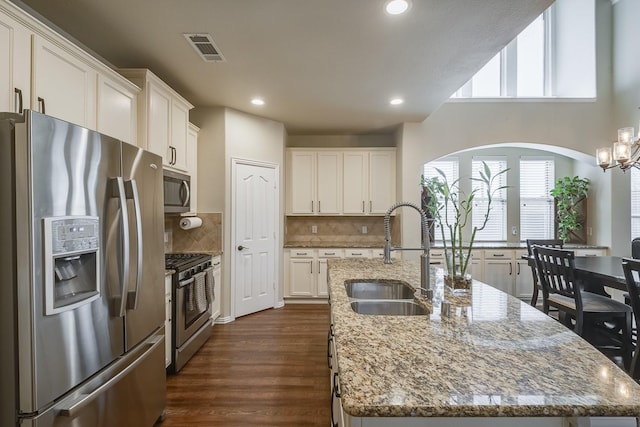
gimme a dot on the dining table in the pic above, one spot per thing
(597, 272)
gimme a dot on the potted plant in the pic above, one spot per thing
(448, 197)
(570, 194)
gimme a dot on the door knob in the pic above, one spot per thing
(242, 247)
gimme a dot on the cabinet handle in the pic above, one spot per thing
(497, 255)
(518, 269)
(356, 253)
(329, 253)
(370, 206)
(41, 105)
(18, 100)
(329, 355)
(363, 206)
(312, 206)
(175, 155)
(301, 253)
(319, 206)
(510, 269)
(334, 393)
(311, 263)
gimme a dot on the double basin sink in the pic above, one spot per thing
(390, 298)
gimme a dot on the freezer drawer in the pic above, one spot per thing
(131, 392)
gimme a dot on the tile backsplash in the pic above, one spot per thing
(340, 229)
(206, 238)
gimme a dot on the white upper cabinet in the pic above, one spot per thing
(355, 182)
(337, 182)
(63, 85)
(163, 118)
(382, 181)
(15, 65)
(301, 180)
(43, 71)
(116, 115)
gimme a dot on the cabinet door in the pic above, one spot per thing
(301, 275)
(329, 182)
(15, 65)
(524, 280)
(323, 286)
(499, 270)
(302, 182)
(167, 321)
(355, 169)
(382, 181)
(116, 110)
(179, 130)
(192, 165)
(63, 85)
(217, 277)
(159, 104)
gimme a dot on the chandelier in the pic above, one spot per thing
(625, 153)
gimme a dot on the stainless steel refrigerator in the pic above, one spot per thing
(82, 293)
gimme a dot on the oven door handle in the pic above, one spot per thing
(187, 282)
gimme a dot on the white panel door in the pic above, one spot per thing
(254, 229)
(355, 171)
(159, 122)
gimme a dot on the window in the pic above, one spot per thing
(496, 227)
(518, 70)
(450, 170)
(537, 178)
(635, 203)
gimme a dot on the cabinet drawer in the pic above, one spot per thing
(590, 252)
(330, 253)
(436, 254)
(498, 254)
(302, 253)
(357, 253)
(379, 253)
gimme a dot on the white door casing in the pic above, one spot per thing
(254, 235)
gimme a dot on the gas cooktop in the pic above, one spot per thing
(181, 261)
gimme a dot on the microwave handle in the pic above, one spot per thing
(185, 184)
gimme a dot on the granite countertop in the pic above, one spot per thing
(495, 356)
(436, 245)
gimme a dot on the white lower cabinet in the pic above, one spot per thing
(167, 321)
(217, 284)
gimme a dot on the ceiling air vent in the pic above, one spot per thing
(203, 44)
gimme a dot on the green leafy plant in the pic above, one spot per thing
(569, 192)
(447, 197)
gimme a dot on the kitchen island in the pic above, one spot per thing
(494, 357)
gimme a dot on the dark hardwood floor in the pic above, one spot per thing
(264, 369)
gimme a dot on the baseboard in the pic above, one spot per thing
(223, 320)
(279, 304)
(306, 301)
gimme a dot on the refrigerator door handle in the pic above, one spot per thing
(140, 256)
(122, 196)
(73, 408)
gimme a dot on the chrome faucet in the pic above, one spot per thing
(425, 282)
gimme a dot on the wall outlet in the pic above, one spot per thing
(589, 231)
(314, 229)
(166, 237)
(514, 230)
(365, 230)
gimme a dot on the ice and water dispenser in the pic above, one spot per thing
(72, 262)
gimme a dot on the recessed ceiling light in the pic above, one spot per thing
(257, 101)
(396, 101)
(396, 7)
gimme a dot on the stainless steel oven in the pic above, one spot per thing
(192, 287)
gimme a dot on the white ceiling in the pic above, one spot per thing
(322, 66)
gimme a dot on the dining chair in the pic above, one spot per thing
(553, 243)
(604, 322)
(631, 269)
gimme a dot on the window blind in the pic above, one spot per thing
(496, 228)
(450, 170)
(635, 203)
(537, 177)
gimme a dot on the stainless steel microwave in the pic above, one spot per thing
(177, 192)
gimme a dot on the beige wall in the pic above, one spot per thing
(227, 134)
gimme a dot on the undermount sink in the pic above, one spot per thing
(378, 290)
(389, 308)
